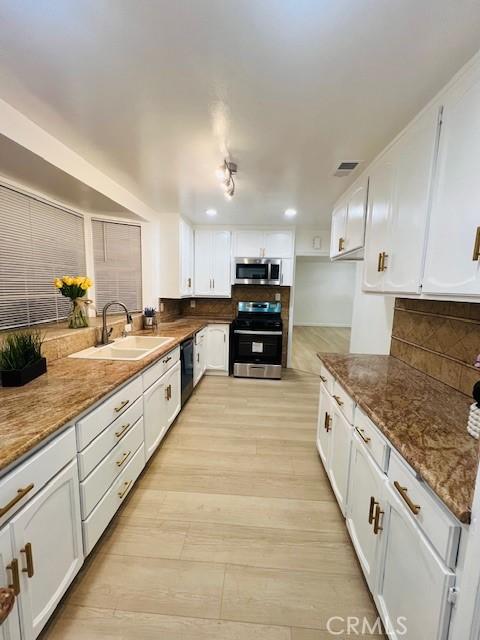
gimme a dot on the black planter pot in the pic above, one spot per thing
(17, 378)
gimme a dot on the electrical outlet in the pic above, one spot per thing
(162, 307)
(278, 297)
(193, 304)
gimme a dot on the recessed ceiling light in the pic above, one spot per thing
(211, 212)
(290, 213)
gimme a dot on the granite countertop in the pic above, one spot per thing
(425, 420)
(33, 413)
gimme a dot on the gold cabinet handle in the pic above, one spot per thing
(123, 428)
(21, 493)
(121, 405)
(376, 520)
(476, 248)
(323, 379)
(414, 508)
(328, 421)
(341, 244)
(126, 487)
(384, 255)
(27, 550)
(123, 458)
(379, 263)
(361, 433)
(189, 283)
(338, 400)
(371, 510)
(13, 567)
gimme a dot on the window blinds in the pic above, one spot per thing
(38, 242)
(117, 255)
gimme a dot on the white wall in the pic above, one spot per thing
(372, 319)
(324, 292)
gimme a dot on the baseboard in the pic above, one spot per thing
(322, 324)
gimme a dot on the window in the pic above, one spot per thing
(38, 242)
(117, 253)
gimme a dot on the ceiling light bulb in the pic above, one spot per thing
(211, 212)
(290, 213)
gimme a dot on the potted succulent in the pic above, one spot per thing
(148, 317)
(75, 288)
(21, 358)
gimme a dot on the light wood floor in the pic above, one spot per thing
(232, 533)
(308, 341)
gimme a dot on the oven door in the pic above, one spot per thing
(251, 271)
(257, 347)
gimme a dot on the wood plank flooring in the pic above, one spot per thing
(308, 341)
(232, 532)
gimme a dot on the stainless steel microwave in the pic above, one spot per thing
(258, 271)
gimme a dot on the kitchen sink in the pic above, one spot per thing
(130, 348)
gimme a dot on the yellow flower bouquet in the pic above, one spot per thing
(76, 289)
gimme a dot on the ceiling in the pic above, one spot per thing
(155, 93)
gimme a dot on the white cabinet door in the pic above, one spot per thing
(154, 416)
(364, 513)
(217, 348)
(221, 263)
(286, 278)
(197, 363)
(48, 542)
(278, 244)
(324, 426)
(414, 585)
(380, 199)
(453, 251)
(186, 259)
(339, 229)
(339, 457)
(356, 215)
(203, 262)
(9, 571)
(173, 393)
(248, 244)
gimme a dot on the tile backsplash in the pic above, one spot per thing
(442, 339)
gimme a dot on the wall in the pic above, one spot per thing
(323, 293)
(372, 319)
(442, 339)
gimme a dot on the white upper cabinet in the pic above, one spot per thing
(212, 263)
(186, 259)
(398, 209)
(339, 227)
(254, 243)
(348, 220)
(453, 251)
(175, 257)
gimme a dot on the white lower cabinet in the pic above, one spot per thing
(324, 426)
(217, 348)
(339, 456)
(9, 573)
(413, 590)
(47, 540)
(199, 362)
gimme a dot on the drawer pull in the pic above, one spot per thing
(376, 520)
(122, 405)
(328, 422)
(167, 360)
(21, 493)
(123, 428)
(379, 265)
(338, 400)
(27, 550)
(126, 487)
(371, 510)
(414, 508)
(476, 248)
(123, 458)
(323, 379)
(341, 244)
(361, 433)
(13, 567)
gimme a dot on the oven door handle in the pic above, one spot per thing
(258, 333)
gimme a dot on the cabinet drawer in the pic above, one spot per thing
(436, 521)
(95, 422)
(93, 488)
(344, 401)
(327, 379)
(157, 370)
(90, 457)
(95, 524)
(18, 486)
(200, 336)
(372, 439)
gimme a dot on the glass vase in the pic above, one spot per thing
(78, 316)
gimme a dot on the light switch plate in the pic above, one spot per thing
(193, 304)
(278, 297)
(162, 307)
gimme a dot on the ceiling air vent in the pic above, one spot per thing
(345, 169)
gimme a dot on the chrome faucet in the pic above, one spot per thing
(106, 332)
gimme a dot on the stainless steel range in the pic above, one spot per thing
(257, 340)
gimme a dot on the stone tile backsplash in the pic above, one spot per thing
(442, 339)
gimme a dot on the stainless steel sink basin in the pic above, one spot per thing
(130, 348)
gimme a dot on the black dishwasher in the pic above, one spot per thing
(186, 359)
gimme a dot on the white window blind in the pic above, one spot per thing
(38, 242)
(117, 254)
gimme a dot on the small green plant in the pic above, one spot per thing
(20, 349)
(149, 312)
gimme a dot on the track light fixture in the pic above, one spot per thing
(225, 174)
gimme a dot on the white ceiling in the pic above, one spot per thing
(153, 92)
